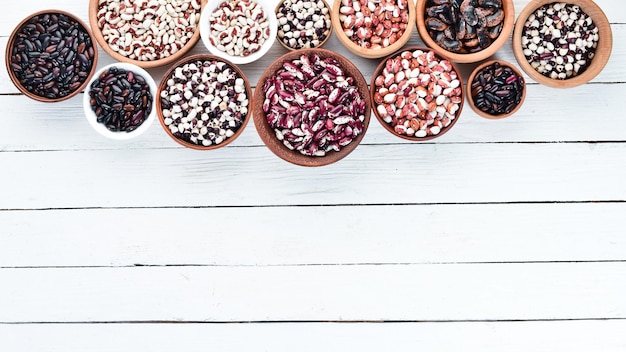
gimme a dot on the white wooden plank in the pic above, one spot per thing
(294, 236)
(429, 173)
(316, 293)
(572, 336)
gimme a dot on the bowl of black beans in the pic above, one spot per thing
(496, 89)
(119, 101)
(51, 55)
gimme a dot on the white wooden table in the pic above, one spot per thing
(498, 236)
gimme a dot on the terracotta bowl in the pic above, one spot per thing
(378, 100)
(9, 60)
(267, 133)
(602, 54)
(163, 85)
(267, 5)
(470, 98)
(368, 52)
(329, 32)
(507, 27)
(96, 21)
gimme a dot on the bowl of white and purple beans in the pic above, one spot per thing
(240, 31)
(562, 44)
(146, 33)
(119, 101)
(312, 107)
(417, 94)
(204, 102)
(303, 24)
(51, 55)
(465, 31)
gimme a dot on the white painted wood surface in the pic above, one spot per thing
(498, 236)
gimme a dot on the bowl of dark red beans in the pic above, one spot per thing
(562, 44)
(204, 102)
(311, 107)
(119, 101)
(51, 56)
(465, 31)
(496, 89)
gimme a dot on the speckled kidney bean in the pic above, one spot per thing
(372, 23)
(238, 27)
(313, 106)
(147, 30)
(52, 55)
(417, 93)
(559, 40)
(205, 102)
(303, 23)
(497, 89)
(120, 99)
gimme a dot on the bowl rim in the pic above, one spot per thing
(93, 22)
(507, 28)
(321, 44)
(600, 60)
(168, 74)
(91, 116)
(266, 133)
(372, 53)
(388, 127)
(11, 42)
(470, 98)
(267, 6)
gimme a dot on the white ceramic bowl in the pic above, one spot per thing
(267, 5)
(101, 128)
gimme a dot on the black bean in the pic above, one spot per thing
(497, 89)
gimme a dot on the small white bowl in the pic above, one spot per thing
(101, 128)
(267, 5)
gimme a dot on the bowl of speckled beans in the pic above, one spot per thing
(51, 55)
(562, 44)
(303, 24)
(417, 94)
(204, 102)
(240, 31)
(146, 33)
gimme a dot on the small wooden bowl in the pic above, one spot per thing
(371, 53)
(328, 34)
(470, 98)
(373, 91)
(267, 6)
(267, 133)
(602, 54)
(507, 27)
(8, 58)
(97, 31)
(163, 84)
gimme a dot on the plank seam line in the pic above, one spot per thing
(339, 205)
(218, 322)
(295, 265)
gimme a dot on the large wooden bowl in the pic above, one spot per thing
(97, 32)
(8, 60)
(162, 85)
(366, 52)
(267, 134)
(507, 27)
(602, 55)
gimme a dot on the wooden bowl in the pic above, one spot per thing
(328, 33)
(507, 27)
(470, 98)
(367, 52)
(9, 60)
(95, 21)
(374, 91)
(267, 134)
(163, 84)
(602, 54)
